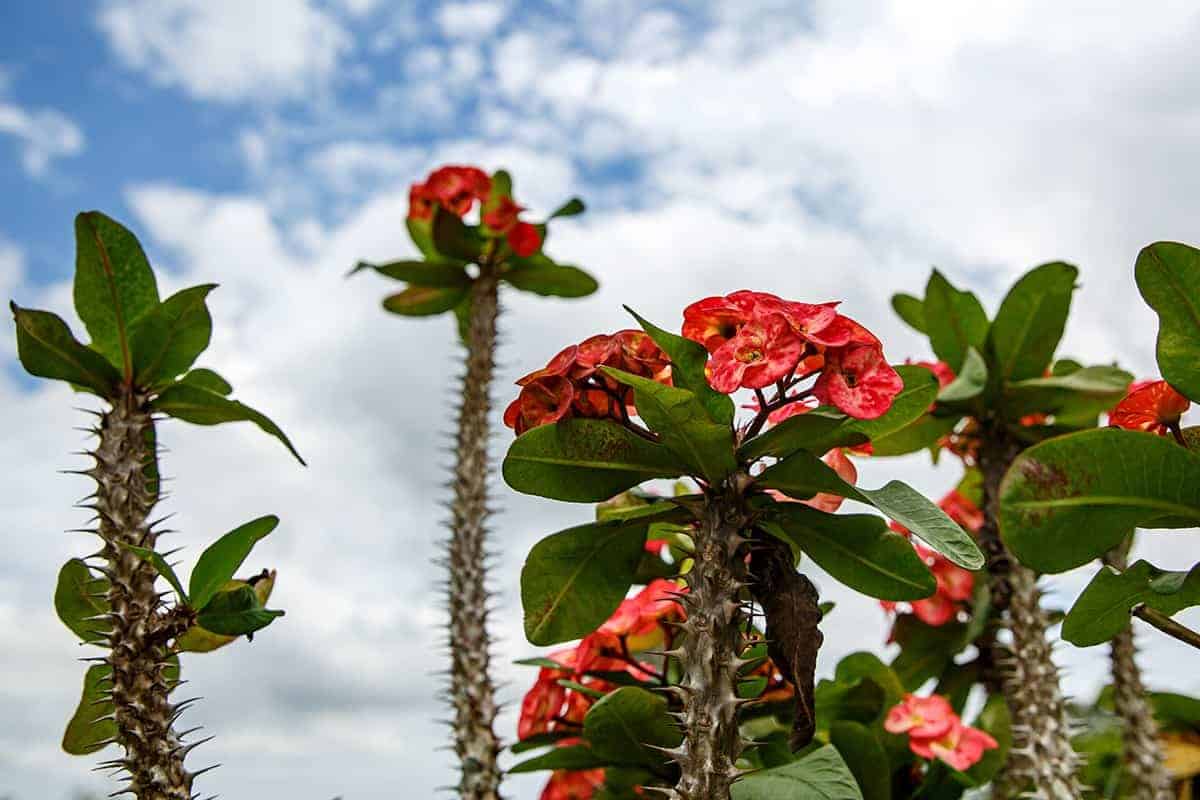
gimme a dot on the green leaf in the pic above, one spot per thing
(453, 238)
(571, 208)
(955, 321)
(823, 429)
(621, 725)
(540, 275)
(161, 566)
(200, 406)
(223, 557)
(424, 301)
(914, 437)
(1070, 499)
(438, 274)
(1088, 391)
(857, 549)
(235, 613)
(688, 362)
(970, 381)
(1030, 322)
(681, 420)
(584, 461)
(79, 597)
(572, 757)
(48, 350)
(462, 320)
(820, 775)
(925, 650)
(114, 285)
(574, 580)
(1168, 276)
(802, 475)
(421, 233)
(197, 639)
(207, 379)
(911, 310)
(171, 336)
(865, 757)
(91, 727)
(1102, 610)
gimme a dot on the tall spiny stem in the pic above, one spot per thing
(140, 633)
(1142, 753)
(711, 653)
(471, 687)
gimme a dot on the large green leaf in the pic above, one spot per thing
(574, 580)
(914, 437)
(48, 350)
(425, 301)
(1102, 610)
(865, 757)
(168, 339)
(688, 363)
(453, 238)
(421, 233)
(207, 379)
(802, 475)
(236, 612)
(955, 320)
(114, 285)
(1030, 322)
(223, 557)
(585, 461)
(571, 757)
(1088, 391)
(541, 275)
(1070, 499)
(823, 429)
(202, 406)
(969, 383)
(820, 775)
(92, 726)
(439, 274)
(857, 549)
(681, 420)
(911, 310)
(1168, 276)
(624, 726)
(79, 597)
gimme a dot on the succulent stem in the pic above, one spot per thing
(127, 489)
(472, 691)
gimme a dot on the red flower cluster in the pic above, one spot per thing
(757, 339)
(522, 237)
(1152, 406)
(572, 385)
(578, 784)
(457, 188)
(935, 731)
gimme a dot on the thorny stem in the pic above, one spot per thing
(471, 688)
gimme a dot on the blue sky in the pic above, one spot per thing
(821, 150)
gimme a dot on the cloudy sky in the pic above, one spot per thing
(821, 150)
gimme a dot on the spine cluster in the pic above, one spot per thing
(471, 688)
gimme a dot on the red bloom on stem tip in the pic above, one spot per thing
(761, 353)
(859, 381)
(457, 188)
(1154, 406)
(573, 784)
(921, 716)
(541, 401)
(714, 321)
(503, 216)
(524, 239)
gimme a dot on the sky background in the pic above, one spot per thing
(819, 150)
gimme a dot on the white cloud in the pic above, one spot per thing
(476, 19)
(42, 134)
(357, 166)
(227, 50)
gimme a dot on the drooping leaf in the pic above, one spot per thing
(1102, 610)
(453, 238)
(857, 549)
(48, 350)
(424, 301)
(1168, 276)
(541, 275)
(197, 639)
(620, 726)
(161, 566)
(79, 597)
(571, 757)
(865, 757)
(235, 613)
(954, 319)
(207, 379)
(802, 475)
(202, 406)
(222, 558)
(820, 775)
(911, 310)
(438, 274)
(171, 336)
(570, 208)
(585, 461)
(688, 362)
(683, 423)
(114, 285)
(1088, 391)
(1030, 321)
(91, 728)
(823, 429)
(1070, 499)
(969, 383)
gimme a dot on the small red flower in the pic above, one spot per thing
(421, 202)
(714, 321)
(503, 216)
(818, 323)
(544, 702)
(573, 785)
(941, 370)
(1155, 407)
(639, 619)
(960, 509)
(859, 381)
(921, 716)
(960, 747)
(762, 352)
(524, 239)
(457, 188)
(541, 401)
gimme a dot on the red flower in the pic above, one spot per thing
(935, 731)
(715, 320)
(503, 216)
(820, 324)
(960, 509)
(543, 703)
(858, 381)
(941, 370)
(524, 239)
(421, 202)
(457, 188)
(573, 785)
(960, 747)
(1155, 407)
(656, 546)
(922, 717)
(639, 619)
(761, 353)
(541, 401)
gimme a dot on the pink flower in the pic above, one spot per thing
(960, 747)
(923, 717)
(858, 381)
(714, 321)
(761, 353)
